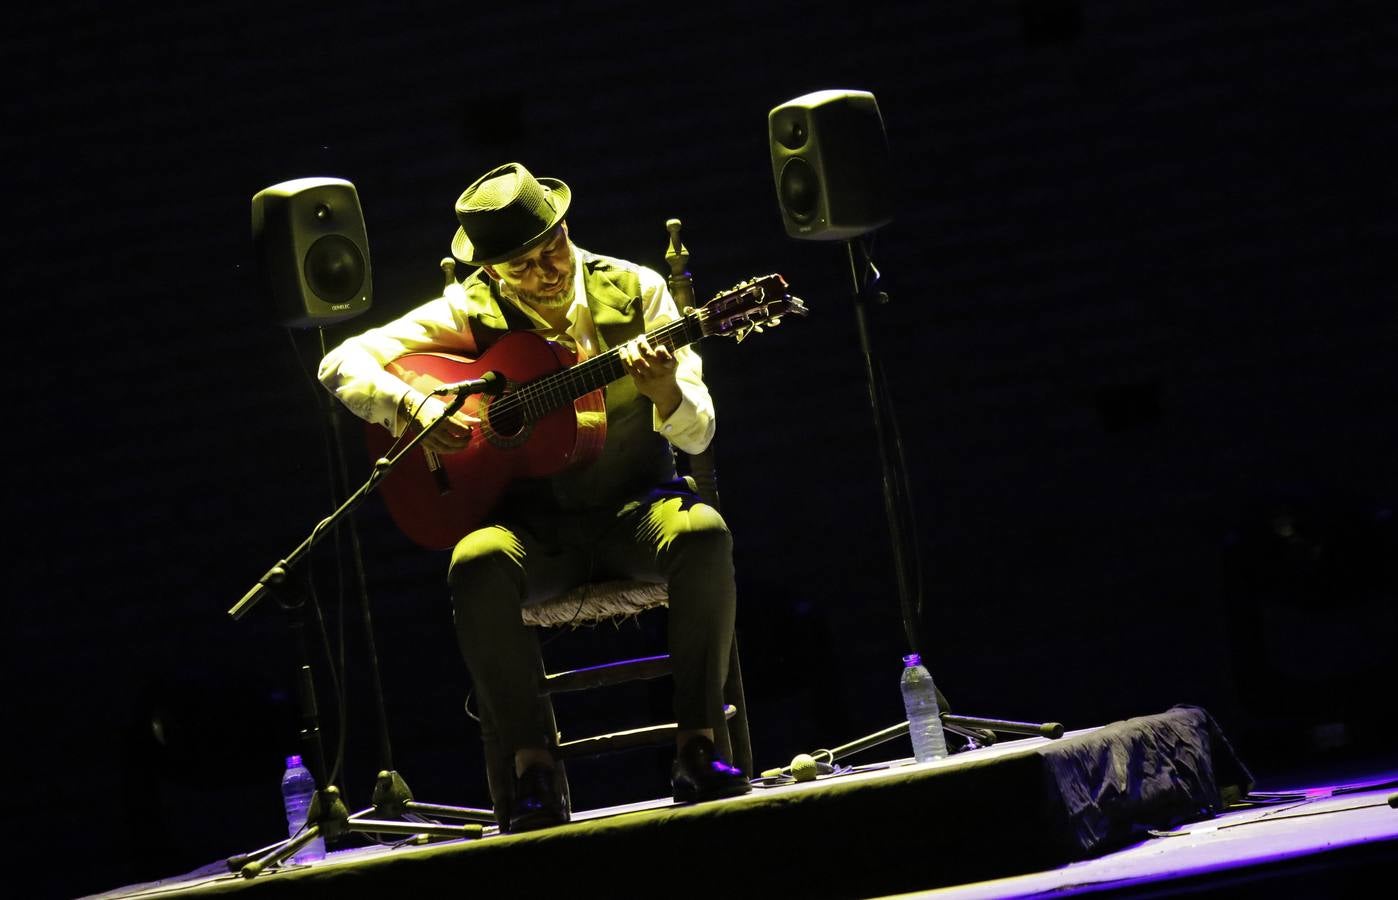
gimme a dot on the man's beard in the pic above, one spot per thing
(548, 301)
(559, 300)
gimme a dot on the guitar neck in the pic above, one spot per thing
(550, 392)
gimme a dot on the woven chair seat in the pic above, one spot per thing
(589, 604)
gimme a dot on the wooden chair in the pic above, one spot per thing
(577, 611)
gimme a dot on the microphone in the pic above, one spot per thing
(804, 767)
(492, 383)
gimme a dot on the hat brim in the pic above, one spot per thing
(465, 252)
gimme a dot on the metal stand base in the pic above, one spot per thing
(329, 818)
(977, 731)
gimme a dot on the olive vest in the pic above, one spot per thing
(634, 458)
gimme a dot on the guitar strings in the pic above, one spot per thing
(540, 397)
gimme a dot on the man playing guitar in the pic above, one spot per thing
(617, 511)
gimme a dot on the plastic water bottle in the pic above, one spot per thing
(924, 716)
(298, 789)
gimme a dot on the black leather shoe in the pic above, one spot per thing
(700, 774)
(537, 802)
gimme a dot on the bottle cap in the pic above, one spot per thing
(293, 761)
(912, 659)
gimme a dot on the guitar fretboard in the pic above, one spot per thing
(543, 395)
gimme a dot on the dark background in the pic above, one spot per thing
(1140, 341)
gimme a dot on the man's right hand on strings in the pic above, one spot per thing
(449, 437)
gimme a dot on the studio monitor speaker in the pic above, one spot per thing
(312, 252)
(831, 164)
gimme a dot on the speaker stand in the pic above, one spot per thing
(898, 507)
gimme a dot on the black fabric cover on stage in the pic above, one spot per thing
(1001, 811)
(1113, 785)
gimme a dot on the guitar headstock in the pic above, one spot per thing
(749, 306)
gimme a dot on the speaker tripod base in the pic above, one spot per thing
(329, 818)
(978, 732)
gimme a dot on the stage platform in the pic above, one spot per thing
(1129, 807)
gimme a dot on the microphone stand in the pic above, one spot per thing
(391, 796)
(328, 816)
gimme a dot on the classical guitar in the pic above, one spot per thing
(550, 416)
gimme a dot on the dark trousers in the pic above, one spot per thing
(669, 537)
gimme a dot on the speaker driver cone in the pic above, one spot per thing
(335, 269)
(799, 191)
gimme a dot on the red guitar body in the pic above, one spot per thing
(437, 500)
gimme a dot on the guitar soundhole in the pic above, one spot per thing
(506, 423)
